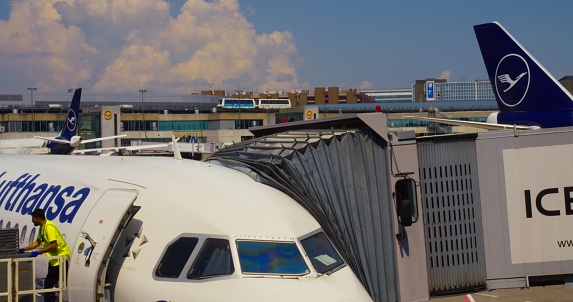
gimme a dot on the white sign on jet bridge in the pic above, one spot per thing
(539, 192)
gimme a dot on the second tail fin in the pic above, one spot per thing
(70, 128)
(519, 82)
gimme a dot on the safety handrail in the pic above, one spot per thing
(13, 278)
(8, 292)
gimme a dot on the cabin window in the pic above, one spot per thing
(32, 236)
(1, 223)
(23, 234)
(214, 260)
(322, 253)
(264, 257)
(175, 257)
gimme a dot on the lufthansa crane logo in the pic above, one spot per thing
(512, 78)
(71, 120)
(107, 114)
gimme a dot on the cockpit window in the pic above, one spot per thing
(322, 254)
(213, 260)
(175, 257)
(264, 257)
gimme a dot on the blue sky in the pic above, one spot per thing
(124, 45)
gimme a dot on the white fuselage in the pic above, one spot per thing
(178, 200)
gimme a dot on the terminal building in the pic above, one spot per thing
(147, 117)
(478, 90)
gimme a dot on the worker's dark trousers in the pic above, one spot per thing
(51, 282)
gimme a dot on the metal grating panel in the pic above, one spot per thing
(8, 242)
(452, 215)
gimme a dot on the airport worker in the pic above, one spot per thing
(52, 244)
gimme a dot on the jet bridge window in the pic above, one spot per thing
(214, 260)
(406, 201)
(322, 254)
(175, 257)
(279, 258)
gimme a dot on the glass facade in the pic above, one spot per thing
(400, 123)
(90, 127)
(464, 91)
(390, 95)
(245, 124)
(182, 125)
(33, 126)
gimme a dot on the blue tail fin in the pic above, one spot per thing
(519, 82)
(71, 124)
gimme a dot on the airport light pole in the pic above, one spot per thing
(240, 105)
(296, 97)
(236, 91)
(32, 89)
(143, 113)
(211, 93)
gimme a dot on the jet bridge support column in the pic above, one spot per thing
(410, 246)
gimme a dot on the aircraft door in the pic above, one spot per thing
(95, 243)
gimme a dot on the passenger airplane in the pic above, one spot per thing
(64, 143)
(161, 229)
(527, 96)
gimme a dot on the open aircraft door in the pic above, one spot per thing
(95, 243)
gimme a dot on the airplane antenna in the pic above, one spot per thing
(176, 153)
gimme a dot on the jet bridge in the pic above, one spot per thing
(526, 192)
(344, 171)
(495, 206)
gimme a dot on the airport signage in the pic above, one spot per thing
(539, 194)
(311, 112)
(430, 91)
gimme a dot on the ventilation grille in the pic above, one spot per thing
(8, 242)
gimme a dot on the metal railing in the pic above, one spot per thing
(22, 280)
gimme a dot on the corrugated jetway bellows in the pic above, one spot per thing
(452, 213)
(341, 177)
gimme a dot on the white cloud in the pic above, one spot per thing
(36, 49)
(366, 85)
(446, 75)
(108, 46)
